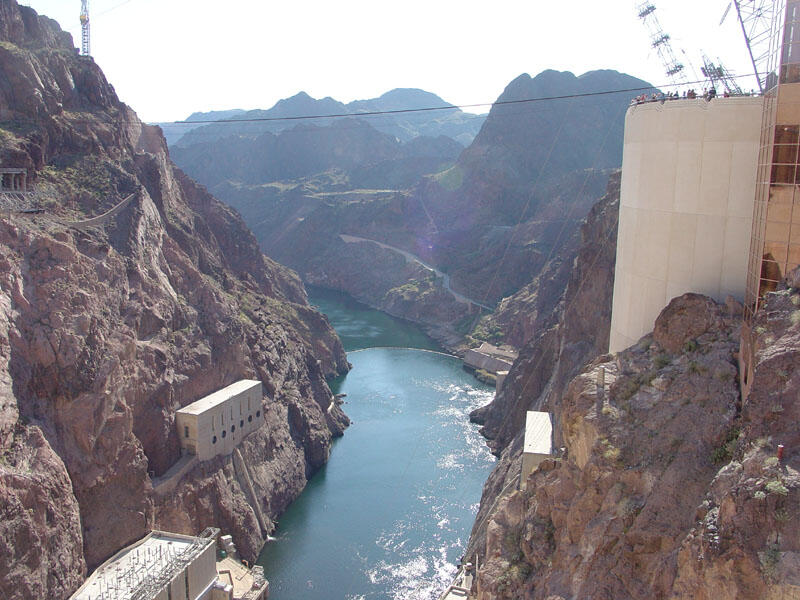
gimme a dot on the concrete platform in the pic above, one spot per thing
(459, 589)
(241, 578)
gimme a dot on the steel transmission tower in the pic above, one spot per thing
(760, 28)
(661, 42)
(85, 28)
(720, 76)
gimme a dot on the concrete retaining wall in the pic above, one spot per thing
(478, 360)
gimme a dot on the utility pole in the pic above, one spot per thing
(85, 28)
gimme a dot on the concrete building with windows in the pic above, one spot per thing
(686, 207)
(217, 423)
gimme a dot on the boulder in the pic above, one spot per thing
(685, 318)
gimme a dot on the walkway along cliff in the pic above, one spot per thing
(109, 328)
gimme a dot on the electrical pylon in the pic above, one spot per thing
(85, 51)
(661, 43)
(761, 23)
(720, 76)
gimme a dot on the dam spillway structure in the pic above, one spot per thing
(686, 206)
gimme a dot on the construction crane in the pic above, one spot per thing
(85, 28)
(660, 41)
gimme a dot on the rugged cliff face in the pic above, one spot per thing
(568, 325)
(565, 337)
(107, 328)
(670, 488)
(578, 279)
(524, 186)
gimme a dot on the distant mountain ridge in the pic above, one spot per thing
(404, 126)
(370, 157)
(491, 216)
(173, 130)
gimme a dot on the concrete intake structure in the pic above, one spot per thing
(14, 180)
(538, 444)
(489, 358)
(686, 207)
(216, 424)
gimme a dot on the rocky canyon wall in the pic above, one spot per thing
(106, 331)
(564, 334)
(668, 484)
(670, 487)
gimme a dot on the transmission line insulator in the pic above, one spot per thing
(662, 40)
(646, 10)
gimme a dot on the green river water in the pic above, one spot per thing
(390, 514)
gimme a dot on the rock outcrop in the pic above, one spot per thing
(641, 430)
(564, 339)
(41, 548)
(670, 486)
(107, 330)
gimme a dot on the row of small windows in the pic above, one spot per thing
(222, 416)
(233, 427)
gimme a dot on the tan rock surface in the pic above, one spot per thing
(670, 487)
(576, 331)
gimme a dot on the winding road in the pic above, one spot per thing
(352, 239)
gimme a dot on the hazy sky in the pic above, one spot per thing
(169, 58)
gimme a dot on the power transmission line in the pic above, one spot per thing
(438, 108)
(523, 101)
(113, 8)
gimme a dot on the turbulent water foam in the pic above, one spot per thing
(422, 576)
(424, 571)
